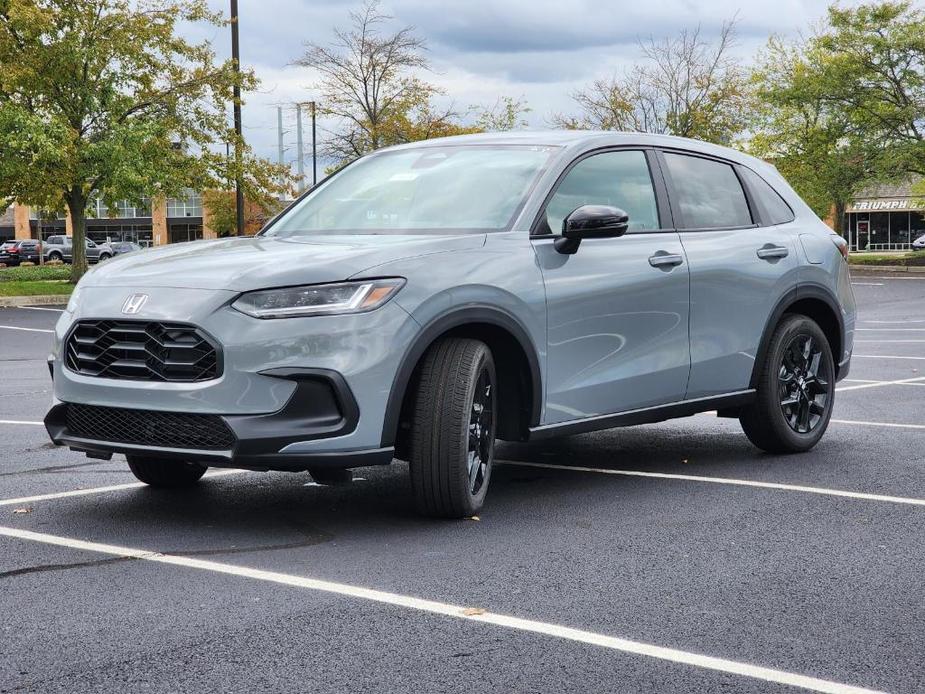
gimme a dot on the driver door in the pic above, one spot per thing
(617, 310)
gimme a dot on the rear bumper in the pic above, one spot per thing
(321, 406)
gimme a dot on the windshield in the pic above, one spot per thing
(428, 189)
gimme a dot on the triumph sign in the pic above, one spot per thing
(887, 205)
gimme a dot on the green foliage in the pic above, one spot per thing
(26, 273)
(914, 259)
(40, 288)
(103, 97)
(845, 106)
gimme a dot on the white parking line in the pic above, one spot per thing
(867, 284)
(891, 330)
(98, 490)
(41, 308)
(892, 322)
(17, 421)
(883, 356)
(879, 424)
(877, 384)
(28, 330)
(454, 611)
(909, 501)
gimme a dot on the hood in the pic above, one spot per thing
(244, 264)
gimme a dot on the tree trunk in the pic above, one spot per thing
(38, 232)
(77, 206)
(838, 223)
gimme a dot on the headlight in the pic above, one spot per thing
(73, 301)
(319, 299)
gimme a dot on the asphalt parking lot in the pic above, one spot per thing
(671, 557)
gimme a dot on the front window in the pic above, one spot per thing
(421, 190)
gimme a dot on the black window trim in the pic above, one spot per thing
(662, 203)
(753, 208)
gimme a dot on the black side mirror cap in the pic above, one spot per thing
(591, 222)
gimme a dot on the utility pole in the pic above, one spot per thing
(236, 96)
(314, 150)
(279, 129)
(300, 160)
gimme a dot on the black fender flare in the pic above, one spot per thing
(798, 293)
(455, 318)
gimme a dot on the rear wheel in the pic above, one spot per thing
(165, 473)
(453, 427)
(54, 255)
(796, 389)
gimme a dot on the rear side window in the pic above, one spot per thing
(618, 179)
(707, 192)
(774, 210)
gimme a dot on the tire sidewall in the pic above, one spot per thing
(791, 328)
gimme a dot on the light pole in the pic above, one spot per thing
(236, 96)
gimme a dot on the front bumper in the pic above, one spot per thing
(268, 392)
(321, 406)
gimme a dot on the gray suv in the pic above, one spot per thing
(431, 298)
(60, 247)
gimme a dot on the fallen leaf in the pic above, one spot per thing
(473, 611)
(23, 510)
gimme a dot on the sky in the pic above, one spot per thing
(539, 51)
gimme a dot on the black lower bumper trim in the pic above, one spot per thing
(320, 407)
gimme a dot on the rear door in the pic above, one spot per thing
(739, 268)
(617, 310)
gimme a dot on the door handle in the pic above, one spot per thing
(769, 251)
(663, 259)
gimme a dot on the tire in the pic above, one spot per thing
(103, 256)
(55, 256)
(453, 426)
(796, 392)
(165, 473)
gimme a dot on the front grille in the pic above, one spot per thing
(149, 428)
(141, 350)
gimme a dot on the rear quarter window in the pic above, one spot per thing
(774, 209)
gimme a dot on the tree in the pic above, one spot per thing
(875, 67)
(812, 142)
(103, 97)
(683, 86)
(369, 88)
(264, 183)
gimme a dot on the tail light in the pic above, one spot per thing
(841, 244)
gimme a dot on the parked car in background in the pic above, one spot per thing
(13, 253)
(433, 297)
(919, 243)
(120, 247)
(59, 248)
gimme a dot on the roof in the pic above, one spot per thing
(579, 138)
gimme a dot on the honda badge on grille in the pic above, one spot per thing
(134, 303)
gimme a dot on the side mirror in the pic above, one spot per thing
(591, 222)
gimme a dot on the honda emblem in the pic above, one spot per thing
(134, 303)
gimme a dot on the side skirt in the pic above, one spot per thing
(646, 415)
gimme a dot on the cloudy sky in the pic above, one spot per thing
(536, 50)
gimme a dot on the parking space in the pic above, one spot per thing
(671, 557)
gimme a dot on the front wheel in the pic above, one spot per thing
(103, 256)
(796, 389)
(453, 427)
(165, 473)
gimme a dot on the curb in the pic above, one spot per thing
(41, 300)
(916, 270)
